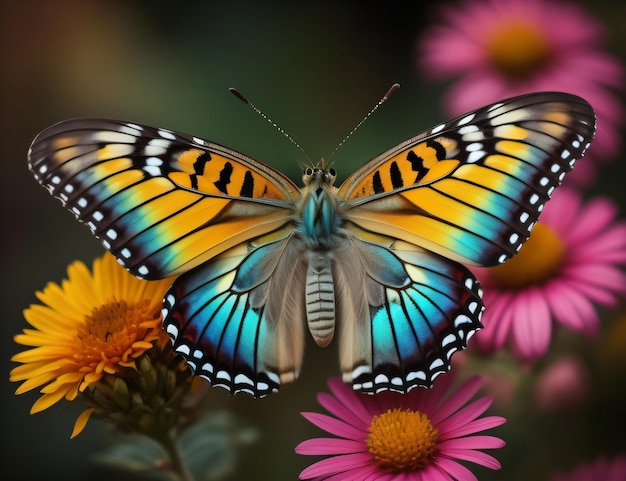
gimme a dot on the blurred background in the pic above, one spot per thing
(315, 68)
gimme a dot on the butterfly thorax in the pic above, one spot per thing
(318, 228)
(318, 209)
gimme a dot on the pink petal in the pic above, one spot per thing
(427, 400)
(499, 316)
(477, 457)
(472, 443)
(600, 275)
(533, 327)
(351, 399)
(465, 415)
(361, 474)
(341, 411)
(455, 469)
(330, 446)
(475, 426)
(462, 395)
(334, 426)
(336, 464)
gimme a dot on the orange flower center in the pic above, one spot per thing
(518, 49)
(116, 333)
(537, 261)
(402, 440)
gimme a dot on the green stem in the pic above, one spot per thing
(177, 467)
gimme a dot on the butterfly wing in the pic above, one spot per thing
(471, 189)
(239, 318)
(161, 202)
(404, 312)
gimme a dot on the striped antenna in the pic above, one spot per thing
(245, 100)
(385, 97)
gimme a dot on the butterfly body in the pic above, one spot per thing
(376, 262)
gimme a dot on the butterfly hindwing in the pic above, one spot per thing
(238, 318)
(472, 188)
(160, 201)
(420, 309)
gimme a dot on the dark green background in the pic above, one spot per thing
(316, 68)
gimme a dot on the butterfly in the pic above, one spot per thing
(378, 260)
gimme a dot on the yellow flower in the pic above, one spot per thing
(93, 325)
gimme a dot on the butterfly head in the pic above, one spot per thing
(319, 176)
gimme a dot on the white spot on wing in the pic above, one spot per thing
(163, 143)
(438, 129)
(474, 157)
(152, 170)
(171, 329)
(474, 146)
(243, 379)
(166, 134)
(466, 119)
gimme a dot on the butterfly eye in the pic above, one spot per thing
(307, 175)
(331, 175)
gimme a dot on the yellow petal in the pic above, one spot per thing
(81, 422)
(47, 400)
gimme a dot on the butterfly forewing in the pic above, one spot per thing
(160, 201)
(471, 189)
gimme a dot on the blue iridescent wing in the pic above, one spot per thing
(238, 318)
(160, 201)
(414, 309)
(472, 188)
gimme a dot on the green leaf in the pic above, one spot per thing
(210, 447)
(138, 454)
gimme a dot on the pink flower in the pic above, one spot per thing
(502, 48)
(572, 260)
(601, 469)
(389, 436)
(563, 385)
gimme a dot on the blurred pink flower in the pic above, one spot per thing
(572, 260)
(602, 469)
(563, 385)
(502, 48)
(389, 436)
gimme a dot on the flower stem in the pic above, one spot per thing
(176, 464)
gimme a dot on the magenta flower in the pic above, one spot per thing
(502, 48)
(601, 469)
(572, 261)
(564, 385)
(389, 436)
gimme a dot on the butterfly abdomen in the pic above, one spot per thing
(320, 299)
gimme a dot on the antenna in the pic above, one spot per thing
(385, 97)
(241, 97)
